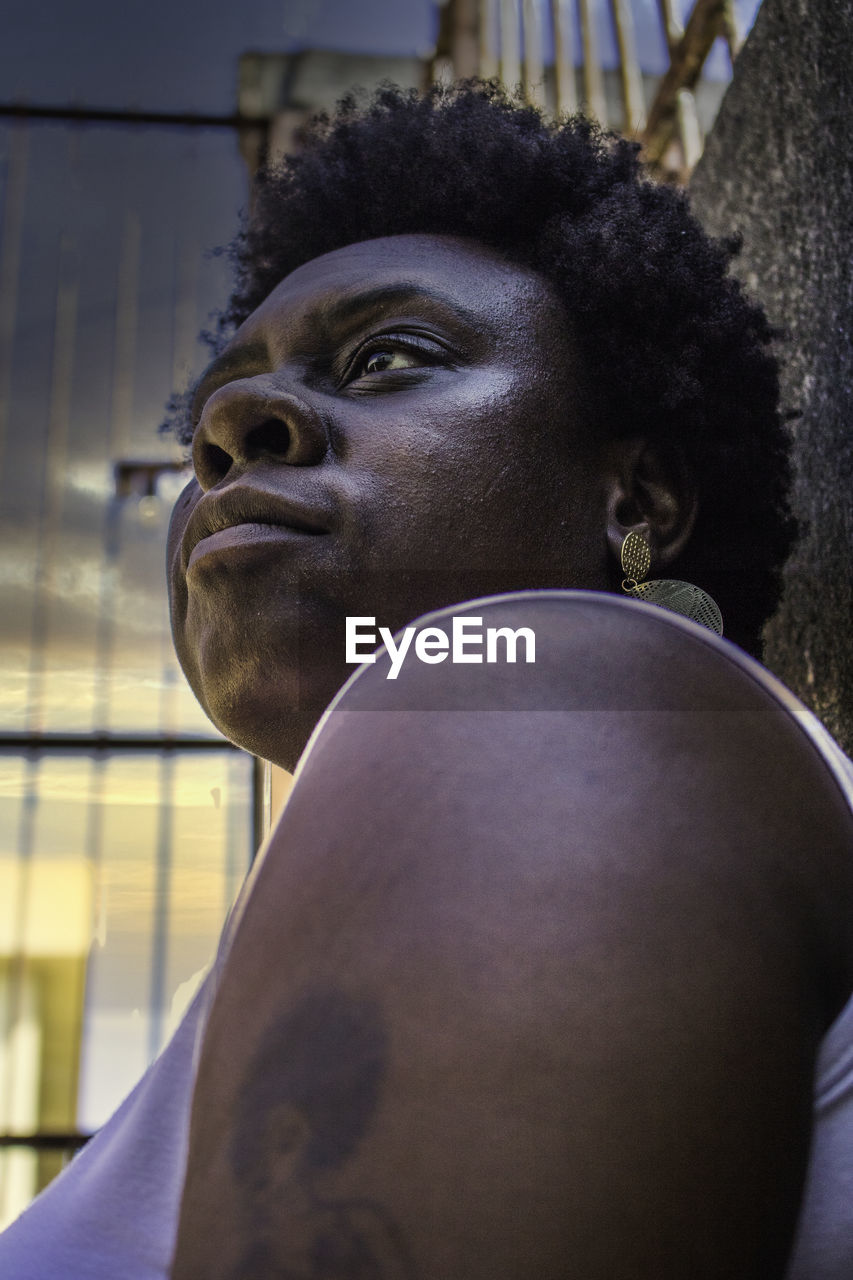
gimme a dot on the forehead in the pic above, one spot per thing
(471, 279)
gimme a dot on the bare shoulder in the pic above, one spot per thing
(533, 973)
(622, 726)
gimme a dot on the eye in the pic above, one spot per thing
(394, 353)
(380, 361)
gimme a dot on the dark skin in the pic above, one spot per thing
(601, 918)
(464, 467)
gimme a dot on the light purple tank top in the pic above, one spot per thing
(113, 1212)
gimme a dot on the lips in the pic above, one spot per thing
(243, 515)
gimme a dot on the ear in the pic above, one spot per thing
(653, 494)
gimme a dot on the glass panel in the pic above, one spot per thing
(115, 869)
(116, 872)
(104, 292)
(173, 847)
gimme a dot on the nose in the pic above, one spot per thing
(252, 419)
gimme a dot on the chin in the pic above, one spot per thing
(262, 674)
(272, 718)
(280, 742)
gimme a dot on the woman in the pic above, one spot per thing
(535, 972)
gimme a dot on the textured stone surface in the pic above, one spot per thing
(778, 167)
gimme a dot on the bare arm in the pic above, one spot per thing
(528, 992)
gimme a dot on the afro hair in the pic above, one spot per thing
(670, 349)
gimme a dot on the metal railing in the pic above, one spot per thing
(504, 39)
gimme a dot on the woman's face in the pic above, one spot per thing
(398, 426)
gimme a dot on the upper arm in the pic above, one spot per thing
(529, 991)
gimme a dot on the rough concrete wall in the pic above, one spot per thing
(778, 167)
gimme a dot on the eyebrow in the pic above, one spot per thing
(339, 313)
(353, 307)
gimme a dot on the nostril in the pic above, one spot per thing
(267, 438)
(270, 437)
(215, 464)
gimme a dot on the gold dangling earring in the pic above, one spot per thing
(667, 593)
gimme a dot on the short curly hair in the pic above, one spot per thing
(670, 348)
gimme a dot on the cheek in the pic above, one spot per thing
(181, 513)
(481, 484)
(505, 440)
(456, 435)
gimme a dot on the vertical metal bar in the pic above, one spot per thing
(107, 586)
(125, 338)
(510, 46)
(564, 57)
(673, 31)
(236, 862)
(185, 324)
(162, 904)
(534, 71)
(439, 68)
(261, 803)
(184, 330)
(630, 75)
(595, 102)
(116, 445)
(689, 130)
(672, 28)
(10, 263)
(731, 29)
(55, 469)
(93, 846)
(18, 959)
(488, 39)
(464, 38)
(686, 62)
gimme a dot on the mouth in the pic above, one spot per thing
(243, 518)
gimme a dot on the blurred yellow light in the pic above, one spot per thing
(45, 907)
